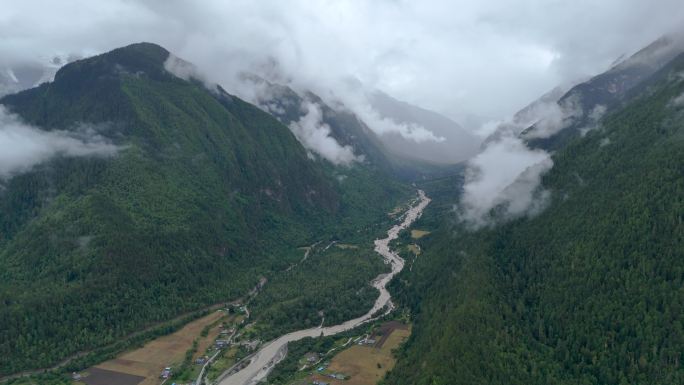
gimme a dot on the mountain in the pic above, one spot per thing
(23, 76)
(587, 292)
(456, 145)
(348, 129)
(289, 107)
(526, 117)
(205, 194)
(559, 116)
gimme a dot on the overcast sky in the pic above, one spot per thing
(486, 58)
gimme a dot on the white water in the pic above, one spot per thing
(273, 352)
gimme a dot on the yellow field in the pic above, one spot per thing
(414, 249)
(154, 356)
(417, 234)
(365, 365)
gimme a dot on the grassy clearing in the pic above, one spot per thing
(417, 234)
(414, 249)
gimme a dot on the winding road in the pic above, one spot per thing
(273, 352)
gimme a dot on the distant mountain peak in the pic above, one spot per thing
(579, 106)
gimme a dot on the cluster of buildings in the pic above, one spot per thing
(323, 367)
(312, 357)
(166, 373)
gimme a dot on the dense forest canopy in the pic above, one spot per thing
(591, 291)
(206, 194)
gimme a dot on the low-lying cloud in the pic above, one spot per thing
(503, 180)
(187, 71)
(506, 177)
(551, 118)
(678, 101)
(382, 125)
(316, 136)
(348, 95)
(22, 146)
(593, 118)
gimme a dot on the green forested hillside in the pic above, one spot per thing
(589, 292)
(206, 194)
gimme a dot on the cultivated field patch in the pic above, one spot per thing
(147, 362)
(364, 364)
(97, 376)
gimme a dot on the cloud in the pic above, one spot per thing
(346, 95)
(23, 146)
(505, 178)
(550, 118)
(383, 125)
(480, 58)
(315, 136)
(678, 101)
(593, 118)
(359, 103)
(187, 71)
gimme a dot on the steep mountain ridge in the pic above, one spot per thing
(288, 106)
(348, 129)
(456, 144)
(559, 116)
(206, 194)
(609, 89)
(587, 292)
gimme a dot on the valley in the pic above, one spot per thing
(149, 361)
(330, 193)
(267, 357)
(157, 230)
(194, 350)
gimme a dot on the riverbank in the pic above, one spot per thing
(271, 353)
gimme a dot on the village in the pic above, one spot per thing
(197, 353)
(221, 343)
(362, 359)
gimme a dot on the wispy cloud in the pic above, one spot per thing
(503, 178)
(187, 71)
(678, 101)
(316, 136)
(550, 118)
(468, 57)
(23, 146)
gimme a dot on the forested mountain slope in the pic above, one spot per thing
(205, 194)
(591, 291)
(456, 145)
(561, 115)
(348, 129)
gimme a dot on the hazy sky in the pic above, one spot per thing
(486, 58)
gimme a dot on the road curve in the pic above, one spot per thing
(273, 352)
